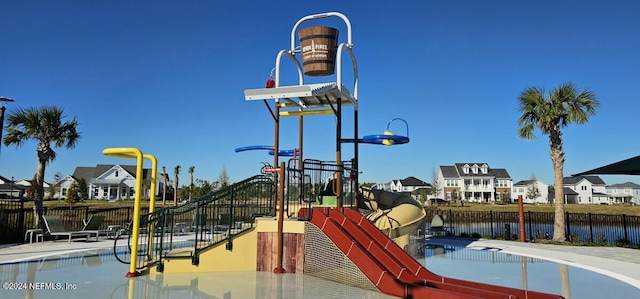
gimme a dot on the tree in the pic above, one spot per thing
(83, 189)
(562, 106)
(435, 187)
(176, 172)
(223, 178)
(45, 125)
(53, 189)
(191, 170)
(164, 185)
(72, 194)
(532, 188)
(57, 177)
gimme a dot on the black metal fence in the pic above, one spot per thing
(15, 219)
(579, 227)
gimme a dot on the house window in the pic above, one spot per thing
(64, 191)
(105, 191)
(448, 195)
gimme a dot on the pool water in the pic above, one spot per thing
(97, 274)
(489, 265)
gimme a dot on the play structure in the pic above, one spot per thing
(330, 226)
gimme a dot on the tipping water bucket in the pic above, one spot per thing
(318, 47)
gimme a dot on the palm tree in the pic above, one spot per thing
(45, 125)
(176, 172)
(563, 106)
(191, 170)
(164, 185)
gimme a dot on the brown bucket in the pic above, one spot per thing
(318, 47)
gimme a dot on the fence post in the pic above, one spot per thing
(566, 221)
(531, 237)
(21, 217)
(624, 229)
(491, 222)
(591, 229)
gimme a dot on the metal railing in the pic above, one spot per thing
(579, 227)
(209, 220)
(316, 184)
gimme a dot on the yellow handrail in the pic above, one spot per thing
(130, 152)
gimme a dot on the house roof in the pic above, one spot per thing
(413, 181)
(523, 183)
(449, 172)
(574, 180)
(500, 173)
(456, 171)
(88, 172)
(624, 185)
(566, 190)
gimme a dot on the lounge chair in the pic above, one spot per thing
(200, 225)
(55, 228)
(223, 225)
(93, 227)
(437, 225)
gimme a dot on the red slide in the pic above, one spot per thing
(392, 270)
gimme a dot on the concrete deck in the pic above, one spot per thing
(620, 263)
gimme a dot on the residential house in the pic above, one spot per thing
(624, 192)
(10, 189)
(588, 190)
(474, 182)
(528, 188)
(410, 186)
(108, 181)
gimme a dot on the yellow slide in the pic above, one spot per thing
(393, 213)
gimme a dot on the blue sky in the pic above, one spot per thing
(168, 78)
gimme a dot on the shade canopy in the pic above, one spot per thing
(629, 166)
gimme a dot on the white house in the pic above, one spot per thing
(625, 192)
(529, 187)
(475, 182)
(62, 186)
(108, 181)
(589, 189)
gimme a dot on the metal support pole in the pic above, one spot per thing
(521, 218)
(279, 269)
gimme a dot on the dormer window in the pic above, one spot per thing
(465, 169)
(475, 169)
(485, 169)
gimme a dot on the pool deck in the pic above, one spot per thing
(617, 262)
(620, 263)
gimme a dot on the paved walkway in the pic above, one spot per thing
(617, 262)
